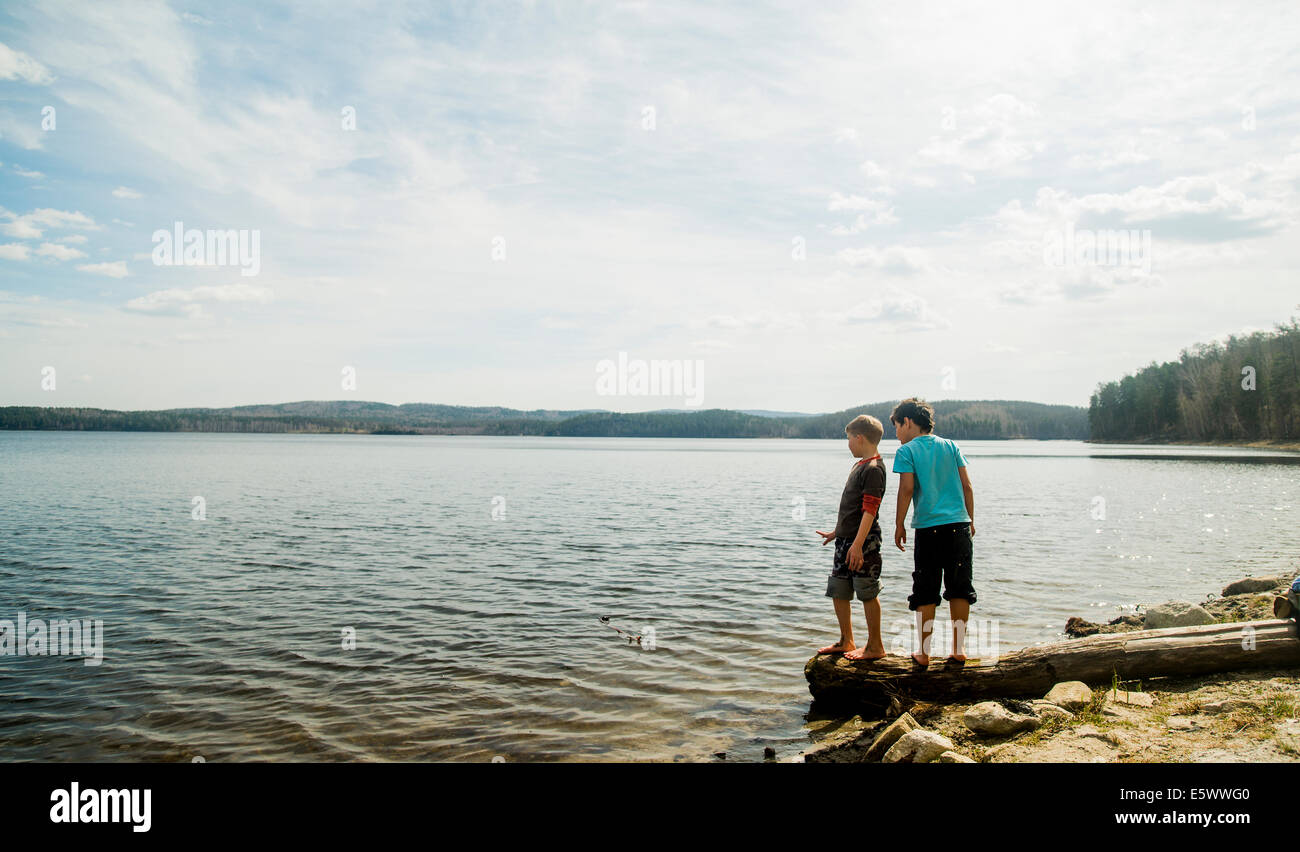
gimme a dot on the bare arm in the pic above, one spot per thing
(906, 482)
(855, 550)
(968, 494)
(864, 528)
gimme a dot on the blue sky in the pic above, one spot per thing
(648, 170)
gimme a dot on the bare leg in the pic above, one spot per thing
(844, 615)
(875, 648)
(959, 609)
(925, 626)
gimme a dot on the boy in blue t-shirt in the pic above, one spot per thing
(932, 475)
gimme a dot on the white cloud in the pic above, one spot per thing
(28, 173)
(855, 202)
(190, 303)
(31, 226)
(896, 260)
(871, 170)
(16, 65)
(125, 192)
(876, 212)
(43, 322)
(23, 131)
(59, 252)
(765, 320)
(897, 311)
(13, 251)
(114, 269)
(992, 135)
(1206, 208)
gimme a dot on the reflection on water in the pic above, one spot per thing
(473, 573)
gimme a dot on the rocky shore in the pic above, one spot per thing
(1250, 599)
(1234, 717)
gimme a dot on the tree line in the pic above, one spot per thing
(1246, 388)
(956, 419)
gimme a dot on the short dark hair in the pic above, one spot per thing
(918, 410)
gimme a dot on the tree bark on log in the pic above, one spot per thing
(1172, 652)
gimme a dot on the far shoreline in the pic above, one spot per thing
(1269, 444)
(1278, 445)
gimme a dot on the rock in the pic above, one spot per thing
(919, 746)
(1251, 585)
(991, 719)
(1177, 614)
(1070, 694)
(1045, 710)
(1229, 705)
(1180, 723)
(1132, 699)
(769, 753)
(1078, 627)
(904, 724)
(953, 757)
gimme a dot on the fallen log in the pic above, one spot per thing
(868, 686)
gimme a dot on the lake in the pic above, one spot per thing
(471, 573)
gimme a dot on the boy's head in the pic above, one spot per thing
(912, 417)
(864, 433)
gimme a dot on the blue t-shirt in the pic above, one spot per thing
(937, 497)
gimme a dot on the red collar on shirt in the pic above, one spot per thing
(873, 458)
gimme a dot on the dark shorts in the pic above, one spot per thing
(944, 554)
(843, 583)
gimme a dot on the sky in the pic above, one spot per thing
(799, 207)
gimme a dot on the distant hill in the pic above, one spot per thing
(992, 419)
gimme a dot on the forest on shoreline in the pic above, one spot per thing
(1245, 389)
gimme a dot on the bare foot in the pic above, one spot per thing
(959, 659)
(921, 659)
(838, 648)
(867, 653)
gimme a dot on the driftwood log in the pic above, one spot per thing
(1095, 660)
